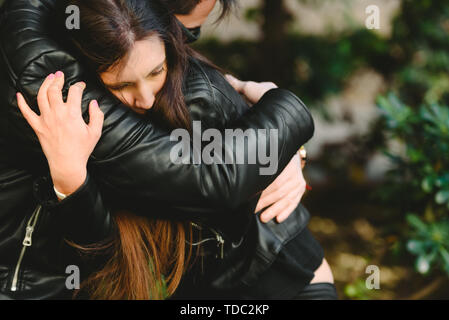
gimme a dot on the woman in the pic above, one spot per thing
(139, 90)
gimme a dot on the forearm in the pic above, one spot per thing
(146, 171)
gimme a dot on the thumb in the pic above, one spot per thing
(96, 118)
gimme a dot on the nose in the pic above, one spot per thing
(145, 98)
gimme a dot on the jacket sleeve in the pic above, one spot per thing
(132, 158)
(83, 210)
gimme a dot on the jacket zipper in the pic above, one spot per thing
(218, 238)
(27, 241)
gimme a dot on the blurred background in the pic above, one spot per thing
(379, 160)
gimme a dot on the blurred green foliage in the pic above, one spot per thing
(358, 290)
(422, 171)
(414, 60)
(419, 119)
(415, 57)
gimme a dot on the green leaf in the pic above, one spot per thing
(416, 222)
(351, 291)
(445, 258)
(416, 247)
(442, 196)
(422, 264)
(427, 184)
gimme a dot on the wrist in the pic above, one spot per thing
(67, 182)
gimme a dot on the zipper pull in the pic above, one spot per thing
(28, 236)
(221, 244)
(30, 227)
(26, 243)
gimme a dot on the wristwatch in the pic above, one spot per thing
(303, 155)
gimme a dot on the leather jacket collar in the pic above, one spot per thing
(190, 34)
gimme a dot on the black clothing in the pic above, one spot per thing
(131, 160)
(318, 291)
(29, 54)
(292, 270)
(190, 34)
(286, 275)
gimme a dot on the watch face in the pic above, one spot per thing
(303, 153)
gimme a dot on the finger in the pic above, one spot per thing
(263, 202)
(287, 212)
(283, 178)
(54, 92)
(273, 194)
(275, 210)
(301, 190)
(281, 181)
(268, 198)
(30, 116)
(75, 95)
(42, 98)
(294, 198)
(235, 83)
(96, 118)
(269, 85)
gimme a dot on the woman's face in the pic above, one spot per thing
(138, 78)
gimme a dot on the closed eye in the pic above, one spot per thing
(119, 87)
(157, 72)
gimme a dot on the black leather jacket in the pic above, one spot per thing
(123, 162)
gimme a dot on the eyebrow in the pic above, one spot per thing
(112, 85)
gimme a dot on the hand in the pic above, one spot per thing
(252, 91)
(284, 194)
(67, 141)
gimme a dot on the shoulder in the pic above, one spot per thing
(210, 97)
(197, 82)
(27, 39)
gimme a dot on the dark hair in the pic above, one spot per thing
(149, 256)
(123, 22)
(184, 7)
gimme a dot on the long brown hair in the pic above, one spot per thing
(108, 31)
(146, 260)
(149, 257)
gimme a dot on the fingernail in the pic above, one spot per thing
(95, 103)
(51, 76)
(58, 74)
(81, 84)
